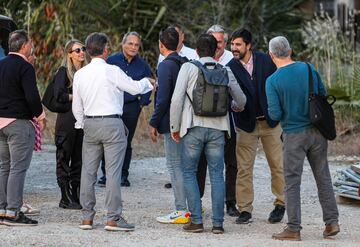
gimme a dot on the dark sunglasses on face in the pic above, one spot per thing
(77, 50)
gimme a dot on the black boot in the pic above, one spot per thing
(75, 191)
(66, 201)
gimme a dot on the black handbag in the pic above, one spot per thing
(50, 102)
(321, 112)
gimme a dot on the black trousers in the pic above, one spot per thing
(130, 118)
(230, 170)
(68, 154)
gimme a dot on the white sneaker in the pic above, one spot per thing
(86, 225)
(29, 210)
(176, 217)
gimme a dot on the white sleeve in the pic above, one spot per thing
(77, 104)
(125, 83)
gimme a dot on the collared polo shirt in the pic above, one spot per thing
(137, 69)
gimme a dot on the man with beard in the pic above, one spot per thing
(251, 69)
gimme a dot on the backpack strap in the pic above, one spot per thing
(179, 62)
(311, 81)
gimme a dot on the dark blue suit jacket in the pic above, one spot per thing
(253, 88)
(167, 73)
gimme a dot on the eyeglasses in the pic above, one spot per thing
(78, 50)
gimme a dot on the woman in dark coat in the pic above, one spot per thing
(68, 140)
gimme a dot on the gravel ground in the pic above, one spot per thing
(147, 198)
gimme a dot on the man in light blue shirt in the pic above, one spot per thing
(287, 93)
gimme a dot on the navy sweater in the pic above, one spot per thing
(19, 96)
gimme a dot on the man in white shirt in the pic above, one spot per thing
(182, 49)
(222, 56)
(98, 96)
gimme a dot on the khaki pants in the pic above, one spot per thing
(246, 146)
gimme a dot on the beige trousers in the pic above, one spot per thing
(246, 146)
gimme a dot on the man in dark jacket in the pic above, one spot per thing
(251, 70)
(19, 104)
(137, 68)
(167, 74)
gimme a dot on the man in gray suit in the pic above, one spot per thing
(98, 96)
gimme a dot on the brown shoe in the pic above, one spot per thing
(331, 230)
(195, 228)
(86, 225)
(287, 235)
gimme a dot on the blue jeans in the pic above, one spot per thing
(212, 141)
(173, 163)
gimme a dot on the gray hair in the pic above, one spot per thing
(17, 39)
(95, 43)
(218, 29)
(130, 33)
(280, 47)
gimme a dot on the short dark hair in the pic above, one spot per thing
(17, 39)
(177, 26)
(95, 43)
(169, 38)
(206, 45)
(244, 34)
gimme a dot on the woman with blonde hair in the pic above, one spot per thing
(68, 140)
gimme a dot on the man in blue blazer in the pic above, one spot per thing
(159, 123)
(251, 69)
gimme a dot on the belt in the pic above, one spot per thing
(262, 118)
(107, 116)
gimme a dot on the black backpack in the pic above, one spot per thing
(321, 112)
(210, 95)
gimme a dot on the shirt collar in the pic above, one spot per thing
(207, 60)
(250, 62)
(97, 60)
(19, 54)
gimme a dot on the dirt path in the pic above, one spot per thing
(147, 198)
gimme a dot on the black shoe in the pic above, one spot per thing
(168, 186)
(19, 220)
(69, 205)
(217, 230)
(277, 214)
(125, 182)
(231, 210)
(244, 218)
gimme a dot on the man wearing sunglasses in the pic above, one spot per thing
(137, 68)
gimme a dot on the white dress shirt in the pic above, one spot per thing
(184, 52)
(98, 90)
(225, 57)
